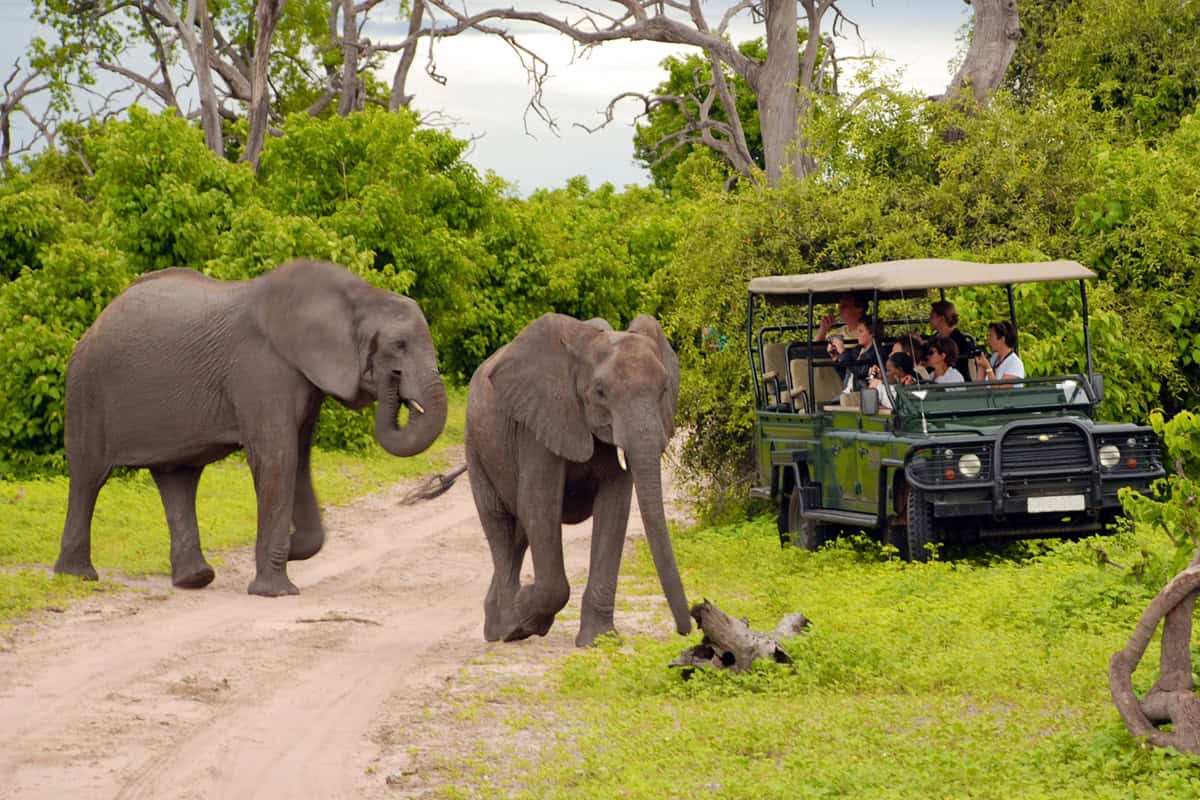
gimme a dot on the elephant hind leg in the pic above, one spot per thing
(177, 487)
(308, 532)
(508, 544)
(75, 551)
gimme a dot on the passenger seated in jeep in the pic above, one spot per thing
(943, 352)
(852, 307)
(899, 373)
(1004, 363)
(866, 355)
(943, 318)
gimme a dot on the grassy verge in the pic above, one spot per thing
(983, 677)
(129, 531)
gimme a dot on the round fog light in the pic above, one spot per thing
(1110, 456)
(969, 465)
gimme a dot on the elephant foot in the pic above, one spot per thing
(306, 544)
(272, 585)
(530, 626)
(589, 633)
(194, 575)
(80, 569)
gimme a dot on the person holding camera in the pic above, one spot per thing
(899, 371)
(1004, 363)
(943, 318)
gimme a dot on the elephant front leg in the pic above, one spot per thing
(539, 514)
(308, 535)
(274, 468)
(610, 520)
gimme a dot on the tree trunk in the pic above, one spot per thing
(778, 101)
(200, 52)
(349, 100)
(266, 17)
(398, 98)
(994, 40)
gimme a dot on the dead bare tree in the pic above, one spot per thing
(21, 85)
(994, 38)
(266, 17)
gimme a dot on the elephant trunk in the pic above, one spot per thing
(647, 480)
(427, 413)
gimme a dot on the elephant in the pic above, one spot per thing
(181, 370)
(563, 423)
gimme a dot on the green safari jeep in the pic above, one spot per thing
(970, 461)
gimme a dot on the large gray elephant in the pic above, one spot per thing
(180, 370)
(562, 423)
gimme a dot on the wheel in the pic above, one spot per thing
(895, 529)
(922, 529)
(803, 532)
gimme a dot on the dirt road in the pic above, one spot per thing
(164, 693)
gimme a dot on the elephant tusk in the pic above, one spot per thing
(415, 406)
(621, 458)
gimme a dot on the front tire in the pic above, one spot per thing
(922, 528)
(805, 533)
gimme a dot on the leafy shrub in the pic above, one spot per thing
(42, 314)
(164, 197)
(32, 217)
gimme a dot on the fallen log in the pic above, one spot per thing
(731, 643)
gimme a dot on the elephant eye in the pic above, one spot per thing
(599, 391)
(401, 345)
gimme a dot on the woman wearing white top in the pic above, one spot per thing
(1004, 364)
(943, 352)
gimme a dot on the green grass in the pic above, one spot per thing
(129, 531)
(982, 677)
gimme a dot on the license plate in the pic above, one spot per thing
(1056, 502)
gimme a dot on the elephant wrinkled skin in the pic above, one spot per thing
(563, 423)
(180, 370)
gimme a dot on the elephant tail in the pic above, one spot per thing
(433, 486)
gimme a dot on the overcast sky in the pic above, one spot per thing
(487, 89)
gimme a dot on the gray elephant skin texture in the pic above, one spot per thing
(553, 418)
(181, 370)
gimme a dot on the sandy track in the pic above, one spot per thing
(213, 693)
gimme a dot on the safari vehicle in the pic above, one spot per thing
(971, 461)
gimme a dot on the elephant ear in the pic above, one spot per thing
(534, 378)
(304, 309)
(646, 325)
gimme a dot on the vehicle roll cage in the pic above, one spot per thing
(822, 360)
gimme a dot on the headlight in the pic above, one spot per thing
(1110, 455)
(969, 465)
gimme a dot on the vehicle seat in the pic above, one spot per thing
(826, 385)
(774, 376)
(799, 375)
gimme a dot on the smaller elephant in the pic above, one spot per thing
(180, 370)
(563, 423)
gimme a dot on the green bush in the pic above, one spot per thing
(161, 195)
(42, 314)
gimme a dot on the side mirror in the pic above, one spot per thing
(870, 401)
(1098, 386)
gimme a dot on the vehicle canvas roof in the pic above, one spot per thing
(911, 276)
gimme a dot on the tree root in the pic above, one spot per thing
(1172, 698)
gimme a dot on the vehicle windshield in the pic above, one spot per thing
(1031, 394)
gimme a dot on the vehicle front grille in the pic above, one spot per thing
(1046, 447)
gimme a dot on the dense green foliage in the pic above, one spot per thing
(1093, 156)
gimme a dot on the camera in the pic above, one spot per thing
(972, 350)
